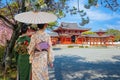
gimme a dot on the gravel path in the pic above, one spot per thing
(86, 64)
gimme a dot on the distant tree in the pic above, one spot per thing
(88, 32)
(114, 32)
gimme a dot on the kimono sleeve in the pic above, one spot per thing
(50, 51)
(31, 46)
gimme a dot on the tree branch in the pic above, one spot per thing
(18, 3)
(6, 20)
(9, 8)
(23, 8)
(109, 5)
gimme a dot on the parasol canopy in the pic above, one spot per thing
(33, 17)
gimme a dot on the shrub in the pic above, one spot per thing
(81, 46)
(11, 73)
(86, 46)
(70, 46)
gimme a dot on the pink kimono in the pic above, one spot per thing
(40, 59)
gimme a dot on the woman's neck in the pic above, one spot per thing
(41, 31)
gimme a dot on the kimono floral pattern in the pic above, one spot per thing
(40, 59)
(22, 44)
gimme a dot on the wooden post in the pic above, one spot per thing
(90, 41)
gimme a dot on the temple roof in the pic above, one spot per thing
(71, 26)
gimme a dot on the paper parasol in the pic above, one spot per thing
(33, 17)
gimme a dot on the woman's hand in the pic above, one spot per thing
(51, 65)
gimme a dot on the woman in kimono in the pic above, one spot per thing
(40, 58)
(22, 56)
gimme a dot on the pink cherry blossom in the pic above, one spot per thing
(5, 33)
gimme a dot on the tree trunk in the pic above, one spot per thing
(7, 59)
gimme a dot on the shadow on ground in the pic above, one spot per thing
(73, 68)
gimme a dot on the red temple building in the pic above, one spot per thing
(100, 38)
(70, 33)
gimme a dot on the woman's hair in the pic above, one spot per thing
(40, 26)
(34, 29)
(23, 30)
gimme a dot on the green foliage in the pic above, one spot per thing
(81, 46)
(10, 10)
(52, 25)
(114, 32)
(60, 14)
(1, 52)
(70, 46)
(84, 21)
(91, 3)
(11, 76)
(11, 73)
(36, 4)
(88, 32)
(86, 47)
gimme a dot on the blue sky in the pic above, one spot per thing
(100, 17)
